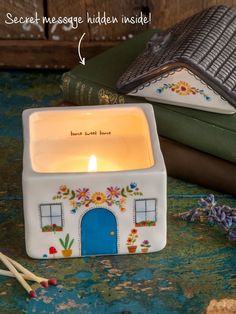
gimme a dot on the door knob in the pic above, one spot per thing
(112, 233)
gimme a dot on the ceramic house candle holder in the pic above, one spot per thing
(192, 64)
(94, 181)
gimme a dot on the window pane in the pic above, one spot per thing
(56, 221)
(46, 221)
(140, 206)
(151, 216)
(140, 217)
(45, 210)
(151, 205)
(56, 209)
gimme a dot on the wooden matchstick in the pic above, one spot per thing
(43, 281)
(18, 276)
(52, 281)
(7, 273)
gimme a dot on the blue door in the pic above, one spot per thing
(98, 232)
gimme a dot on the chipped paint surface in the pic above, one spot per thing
(196, 266)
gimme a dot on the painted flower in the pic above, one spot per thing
(110, 202)
(183, 88)
(73, 211)
(129, 241)
(63, 188)
(83, 194)
(145, 244)
(122, 209)
(113, 192)
(133, 185)
(122, 201)
(132, 237)
(98, 198)
(73, 203)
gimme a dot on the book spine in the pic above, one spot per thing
(195, 133)
(189, 164)
(171, 124)
(82, 92)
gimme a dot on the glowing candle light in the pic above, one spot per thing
(100, 169)
(92, 165)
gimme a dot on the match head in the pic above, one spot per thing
(52, 282)
(44, 284)
(33, 294)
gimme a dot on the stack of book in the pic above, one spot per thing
(198, 146)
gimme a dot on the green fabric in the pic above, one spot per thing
(209, 132)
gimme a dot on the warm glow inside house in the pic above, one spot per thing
(94, 181)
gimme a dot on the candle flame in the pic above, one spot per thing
(92, 165)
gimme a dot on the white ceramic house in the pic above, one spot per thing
(94, 181)
(192, 64)
(181, 87)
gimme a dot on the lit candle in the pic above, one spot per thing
(94, 177)
(92, 164)
(116, 139)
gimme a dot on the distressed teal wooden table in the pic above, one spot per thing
(197, 265)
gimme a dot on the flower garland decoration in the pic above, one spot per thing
(183, 88)
(83, 197)
(221, 215)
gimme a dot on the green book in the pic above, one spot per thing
(95, 83)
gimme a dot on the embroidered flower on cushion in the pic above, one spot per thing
(98, 198)
(113, 192)
(83, 194)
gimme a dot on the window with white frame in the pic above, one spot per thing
(51, 217)
(145, 212)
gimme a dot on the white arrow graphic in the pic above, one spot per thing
(82, 60)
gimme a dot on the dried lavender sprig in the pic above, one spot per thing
(208, 210)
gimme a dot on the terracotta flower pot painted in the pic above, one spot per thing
(132, 248)
(67, 253)
(144, 249)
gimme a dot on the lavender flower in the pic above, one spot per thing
(222, 216)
